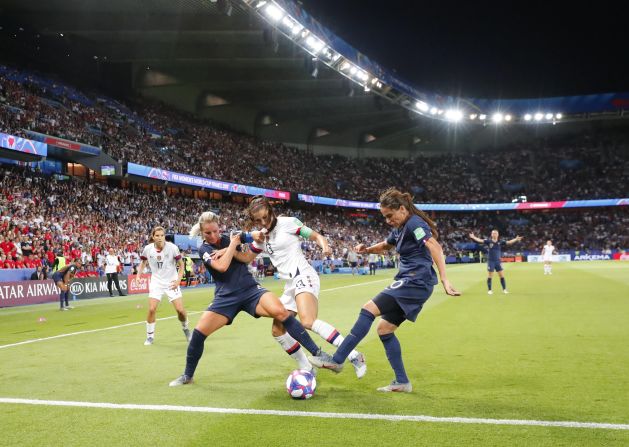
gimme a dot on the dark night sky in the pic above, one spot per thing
(489, 49)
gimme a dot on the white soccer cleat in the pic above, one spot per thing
(360, 365)
(489, 292)
(505, 291)
(396, 387)
(188, 335)
(324, 360)
(181, 380)
(148, 341)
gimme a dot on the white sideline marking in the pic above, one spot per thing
(356, 285)
(86, 332)
(141, 322)
(316, 414)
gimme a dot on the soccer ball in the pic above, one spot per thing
(301, 384)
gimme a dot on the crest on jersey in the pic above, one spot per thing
(419, 233)
(491, 245)
(159, 257)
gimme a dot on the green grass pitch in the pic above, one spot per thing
(555, 349)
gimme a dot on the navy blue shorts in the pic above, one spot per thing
(410, 296)
(245, 299)
(494, 265)
(56, 277)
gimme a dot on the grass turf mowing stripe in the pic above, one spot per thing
(315, 414)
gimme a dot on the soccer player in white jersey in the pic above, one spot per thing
(547, 256)
(166, 265)
(280, 239)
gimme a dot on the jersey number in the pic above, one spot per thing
(159, 265)
(269, 249)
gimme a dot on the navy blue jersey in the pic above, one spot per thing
(237, 275)
(60, 274)
(494, 249)
(415, 259)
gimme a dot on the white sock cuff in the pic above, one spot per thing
(286, 341)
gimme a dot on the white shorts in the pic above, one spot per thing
(307, 282)
(157, 289)
(548, 259)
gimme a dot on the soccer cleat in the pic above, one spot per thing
(63, 308)
(186, 332)
(149, 341)
(324, 360)
(396, 387)
(69, 307)
(505, 291)
(360, 365)
(489, 292)
(181, 380)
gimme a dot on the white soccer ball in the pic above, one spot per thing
(301, 384)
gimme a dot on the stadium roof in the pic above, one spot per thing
(219, 59)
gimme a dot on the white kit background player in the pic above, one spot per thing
(547, 256)
(167, 269)
(280, 237)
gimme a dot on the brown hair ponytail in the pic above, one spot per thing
(393, 198)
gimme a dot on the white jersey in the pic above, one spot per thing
(547, 251)
(111, 263)
(163, 262)
(283, 245)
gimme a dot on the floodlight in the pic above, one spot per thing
(454, 115)
(421, 105)
(273, 12)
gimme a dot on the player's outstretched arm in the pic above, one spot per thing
(514, 240)
(437, 256)
(476, 239)
(379, 248)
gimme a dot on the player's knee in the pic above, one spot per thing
(280, 313)
(385, 328)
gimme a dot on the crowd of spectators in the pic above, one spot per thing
(579, 167)
(42, 217)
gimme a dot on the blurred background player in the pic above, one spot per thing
(352, 260)
(167, 269)
(494, 253)
(548, 251)
(414, 238)
(62, 279)
(236, 290)
(279, 238)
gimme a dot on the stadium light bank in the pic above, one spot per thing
(300, 35)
